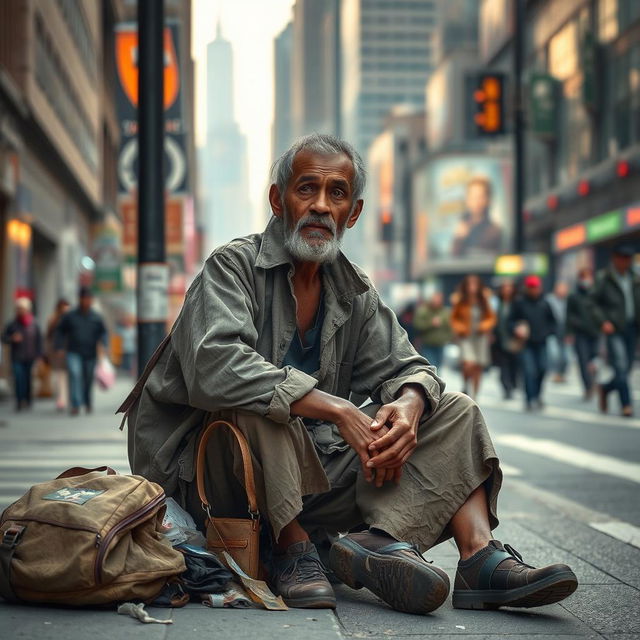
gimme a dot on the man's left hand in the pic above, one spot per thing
(394, 447)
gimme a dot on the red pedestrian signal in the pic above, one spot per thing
(489, 107)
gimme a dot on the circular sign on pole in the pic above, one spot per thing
(153, 292)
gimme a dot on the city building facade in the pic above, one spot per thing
(582, 80)
(58, 146)
(386, 54)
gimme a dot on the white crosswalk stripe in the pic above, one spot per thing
(572, 455)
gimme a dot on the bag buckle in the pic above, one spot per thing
(254, 515)
(12, 536)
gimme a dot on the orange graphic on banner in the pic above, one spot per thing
(633, 217)
(127, 63)
(571, 237)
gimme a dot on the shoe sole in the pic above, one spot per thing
(547, 591)
(410, 587)
(310, 603)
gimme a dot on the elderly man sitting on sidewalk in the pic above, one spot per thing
(282, 335)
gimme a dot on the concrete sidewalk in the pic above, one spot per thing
(38, 445)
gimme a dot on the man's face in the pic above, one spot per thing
(317, 205)
(85, 303)
(533, 292)
(437, 300)
(477, 199)
(621, 263)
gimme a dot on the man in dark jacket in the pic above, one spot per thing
(26, 346)
(79, 334)
(532, 320)
(616, 298)
(582, 329)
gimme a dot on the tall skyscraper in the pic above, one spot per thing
(386, 56)
(224, 172)
(315, 67)
(282, 132)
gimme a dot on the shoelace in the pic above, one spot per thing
(514, 553)
(307, 567)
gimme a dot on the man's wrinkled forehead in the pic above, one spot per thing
(309, 165)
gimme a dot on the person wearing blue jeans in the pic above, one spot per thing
(81, 371)
(616, 309)
(79, 333)
(532, 321)
(25, 340)
(533, 360)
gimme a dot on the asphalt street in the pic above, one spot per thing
(570, 495)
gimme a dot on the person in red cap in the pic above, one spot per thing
(532, 321)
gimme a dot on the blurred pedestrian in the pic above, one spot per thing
(532, 322)
(56, 360)
(506, 346)
(616, 297)
(432, 325)
(405, 318)
(128, 330)
(556, 343)
(79, 333)
(582, 330)
(472, 320)
(25, 339)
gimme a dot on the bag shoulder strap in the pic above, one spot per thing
(133, 396)
(249, 481)
(80, 471)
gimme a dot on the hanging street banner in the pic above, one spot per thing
(127, 107)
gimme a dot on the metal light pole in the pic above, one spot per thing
(519, 128)
(153, 271)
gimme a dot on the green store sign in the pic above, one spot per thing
(604, 226)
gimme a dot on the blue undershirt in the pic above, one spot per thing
(305, 355)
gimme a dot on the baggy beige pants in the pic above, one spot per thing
(328, 493)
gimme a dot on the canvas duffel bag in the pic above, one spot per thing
(86, 538)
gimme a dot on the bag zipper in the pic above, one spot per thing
(103, 543)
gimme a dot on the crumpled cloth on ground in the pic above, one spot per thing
(137, 612)
(205, 574)
(234, 597)
(172, 595)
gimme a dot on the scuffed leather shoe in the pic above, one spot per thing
(299, 577)
(395, 572)
(496, 577)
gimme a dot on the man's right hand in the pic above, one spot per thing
(608, 328)
(355, 428)
(16, 337)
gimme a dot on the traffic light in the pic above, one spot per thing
(489, 104)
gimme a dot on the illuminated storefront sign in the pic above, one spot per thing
(599, 228)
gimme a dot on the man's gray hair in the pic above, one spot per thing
(321, 143)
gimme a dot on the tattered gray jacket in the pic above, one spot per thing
(229, 341)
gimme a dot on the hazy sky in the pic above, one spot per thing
(250, 26)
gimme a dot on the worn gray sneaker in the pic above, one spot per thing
(299, 577)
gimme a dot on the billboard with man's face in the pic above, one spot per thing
(462, 209)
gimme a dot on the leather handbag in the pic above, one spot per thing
(239, 537)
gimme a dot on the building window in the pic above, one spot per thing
(564, 52)
(607, 20)
(626, 99)
(53, 80)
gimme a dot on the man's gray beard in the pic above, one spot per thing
(325, 251)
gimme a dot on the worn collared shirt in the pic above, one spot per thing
(228, 345)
